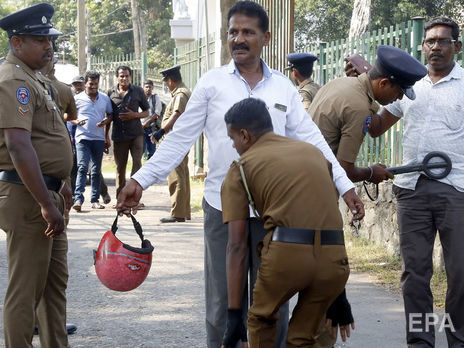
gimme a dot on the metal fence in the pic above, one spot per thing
(192, 58)
(281, 26)
(408, 36)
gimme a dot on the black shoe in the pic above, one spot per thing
(70, 328)
(172, 219)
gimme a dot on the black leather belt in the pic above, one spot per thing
(306, 236)
(12, 176)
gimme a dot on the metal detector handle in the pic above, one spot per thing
(426, 167)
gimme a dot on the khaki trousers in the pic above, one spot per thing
(37, 271)
(179, 189)
(121, 151)
(318, 273)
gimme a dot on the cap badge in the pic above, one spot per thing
(44, 20)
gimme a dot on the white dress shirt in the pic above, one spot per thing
(213, 95)
(434, 121)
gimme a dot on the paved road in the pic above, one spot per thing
(167, 310)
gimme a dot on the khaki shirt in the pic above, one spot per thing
(290, 182)
(180, 97)
(65, 98)
(339, 110)
(26, 103)
(307, 90)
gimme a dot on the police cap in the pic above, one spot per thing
(77, 79)
(170, 71)
(400, 67)
(34, 20)
(300, 60)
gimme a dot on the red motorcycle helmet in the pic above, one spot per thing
(119, 266)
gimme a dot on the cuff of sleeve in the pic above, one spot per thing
(144, 179)
(343, 185)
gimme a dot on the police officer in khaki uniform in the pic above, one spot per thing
(35, 158)
(64, 97)
(179, 179)
(303, 252)
(342, 109)
(301, 66)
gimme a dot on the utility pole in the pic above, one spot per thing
(225, 54)
(89, 25)
(81, 37)
(135, 28)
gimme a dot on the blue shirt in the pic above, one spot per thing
(94, 112)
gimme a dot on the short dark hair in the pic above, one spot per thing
(148, 82)
(250, 9)
(304, 70)
(175, 76)
(123, 67)
(250, 114)
(92, 75)
(375, 74)
(442, 20)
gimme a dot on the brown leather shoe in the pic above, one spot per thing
(171, 219)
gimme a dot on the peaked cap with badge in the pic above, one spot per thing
(401, 68)
(170, 71)
(34, 20)
(296, 60)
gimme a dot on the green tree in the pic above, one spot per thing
(110, 28)
(327, 20)
(321, 20)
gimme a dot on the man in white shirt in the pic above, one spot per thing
(245, 76)
(434, 121)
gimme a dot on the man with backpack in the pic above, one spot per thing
(153, 118)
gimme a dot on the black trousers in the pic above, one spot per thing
(433, 206)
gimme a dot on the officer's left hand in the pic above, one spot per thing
(157, 135)
(67, 195)
(128, 115)
(54, 220)
(355, 204)
(235, 330)
(339, 315)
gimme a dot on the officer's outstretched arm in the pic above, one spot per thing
(235, 269)
(380, 123)
(26, 163)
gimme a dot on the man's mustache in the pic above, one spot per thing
(433, 55)
(240, 47)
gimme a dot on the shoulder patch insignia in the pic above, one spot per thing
(22, 94)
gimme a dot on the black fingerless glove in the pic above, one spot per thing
(235, 330)
(158, 134)
(340, 311)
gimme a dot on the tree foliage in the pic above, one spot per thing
(110, 20)
(328, 20)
